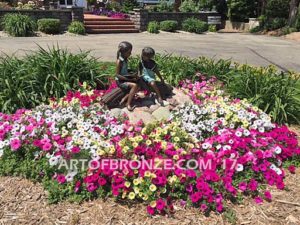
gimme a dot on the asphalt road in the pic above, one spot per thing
(243, 48)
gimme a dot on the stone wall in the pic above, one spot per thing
(142, 17)
(66, 16)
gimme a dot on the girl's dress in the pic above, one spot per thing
(124, 72)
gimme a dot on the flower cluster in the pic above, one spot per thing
(235, 147)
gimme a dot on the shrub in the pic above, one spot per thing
(169, 25)
(189, 6)
(288, 30)
(153, 27)
(277, 8)
(255, 29)
(76, 27)
(35, 78)
(18, 25)
(194, 25)
(212, 28)
(49, 26)
(275, 24)
(164, 6)
(241, 10)
(297, 23)
(129, 5)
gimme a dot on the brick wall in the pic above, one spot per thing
(142, 17)
(66, 16)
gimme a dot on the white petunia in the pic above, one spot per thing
(278, 150)
(239, 167)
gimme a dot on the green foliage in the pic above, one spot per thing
(212, 28)
(297, 23)
(18, 25)
(275, 93)
(230, 216)
(277, 8)
(288, 30)
(194, 25)
(129, 5)
(169, 25)
(76, 27)
(29, 81)
(153, 27)
(189, 6)
(274, 24)
(255, 29)
(241, 10)
(49, 26)
(163, 6)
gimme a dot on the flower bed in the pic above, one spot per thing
(216, 150)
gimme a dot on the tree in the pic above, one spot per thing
(294, 8)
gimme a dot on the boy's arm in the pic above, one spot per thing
(158, 74)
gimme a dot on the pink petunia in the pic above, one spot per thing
(203, 207)
(150, 210)
(75, 149)
(268, 195)
(160, 204)
(292, 169)
(61, 179)
(15, 144)
(47, 146)
(258, 200)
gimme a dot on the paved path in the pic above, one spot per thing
(243, 48)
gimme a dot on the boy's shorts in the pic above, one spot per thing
(122, 85)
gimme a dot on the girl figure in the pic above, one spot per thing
(125, 81)
(148, 69)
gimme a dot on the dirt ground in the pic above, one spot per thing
(293, 36)
(23, 202)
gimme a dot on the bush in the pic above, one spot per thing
(288, 30)
(189, 6)
(153, 27)
(277, 8)
(18, 25)
(169, 25)
(194, 25)
(255, 29)
(76, 27)
(275, 24)
(49, 26)
(164, 6)
(129, 5)
(241, 10)
(297, 23)
(212, 28)
(29, 81)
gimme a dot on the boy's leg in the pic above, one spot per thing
(154, 86)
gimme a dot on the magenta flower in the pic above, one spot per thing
(47, 146)
(203, 207)
(160, 204)
(243, 186)
(15, 144)
(292, 169)
(61, 179)
(268, 195)
(258, 200)
(150, 210)
(75, 149)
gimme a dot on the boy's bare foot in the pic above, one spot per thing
(160, 101)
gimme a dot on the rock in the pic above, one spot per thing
(180, 97)
(138, 115)
(152, 108)
(116, 112)
(145, 102)
(162, 113)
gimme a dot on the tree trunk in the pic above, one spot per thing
(177, 4)
(294, 5)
